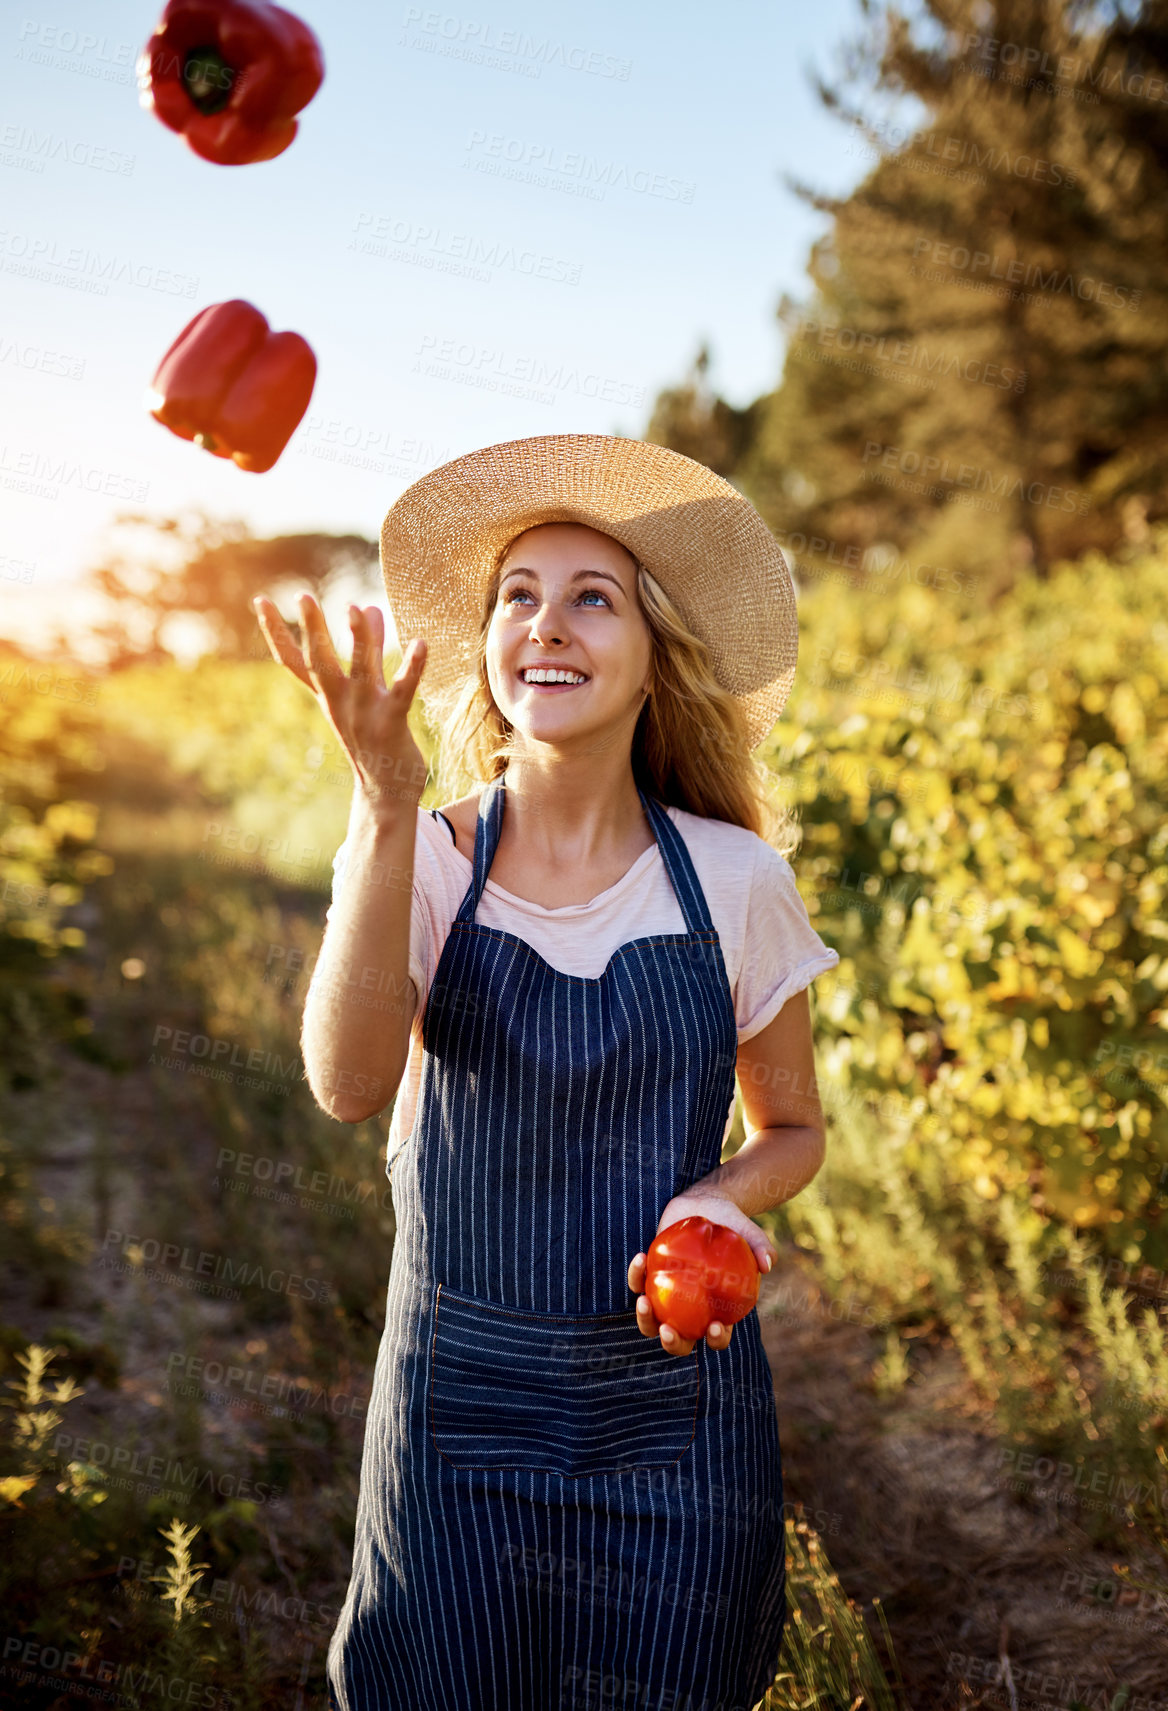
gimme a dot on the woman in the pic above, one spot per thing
(564, 1503)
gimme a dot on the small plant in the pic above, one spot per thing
(829, 1659)
(891, 1372)
(182, 1574)
(38, 1417)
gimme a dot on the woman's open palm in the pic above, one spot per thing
(367, 714)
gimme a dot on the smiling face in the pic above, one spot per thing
(567, 601)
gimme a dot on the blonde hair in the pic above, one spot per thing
(690, 744)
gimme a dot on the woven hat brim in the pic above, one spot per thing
(700, 538)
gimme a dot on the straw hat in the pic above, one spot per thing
(699, 537)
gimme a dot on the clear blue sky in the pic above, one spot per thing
(681, 131)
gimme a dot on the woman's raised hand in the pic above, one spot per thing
(367, 714)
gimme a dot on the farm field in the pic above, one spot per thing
(967, 1327)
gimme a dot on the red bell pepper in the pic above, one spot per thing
(697, 1271)
(233, 386)
(229, 75)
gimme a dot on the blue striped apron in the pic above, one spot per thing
(554, 1512)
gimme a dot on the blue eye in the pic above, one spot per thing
(516, 592)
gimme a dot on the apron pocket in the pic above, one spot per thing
(575, 1394)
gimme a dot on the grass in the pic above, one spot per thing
(830, 1662)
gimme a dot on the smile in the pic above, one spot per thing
(553, 688)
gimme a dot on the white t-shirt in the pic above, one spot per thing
(769, 946)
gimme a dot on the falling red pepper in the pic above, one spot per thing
(230, 75)
(233, 386)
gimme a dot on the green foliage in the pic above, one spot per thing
(693, 420)
(1056, 1352)
(38, 1414)
(47, 858)
(984, 798)
(978, 377)
(828, 1659)
(258, 745)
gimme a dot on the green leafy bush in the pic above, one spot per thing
(984, 797)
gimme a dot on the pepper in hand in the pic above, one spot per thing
(229, 76)
(233, 386)
(698, 1272)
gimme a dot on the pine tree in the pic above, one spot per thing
(980, 379)
(692, 419)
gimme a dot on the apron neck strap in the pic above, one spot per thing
(674, 853)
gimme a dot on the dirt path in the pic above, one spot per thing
(911, 1495)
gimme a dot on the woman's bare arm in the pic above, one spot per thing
(359, 1009)
(360, 1005)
